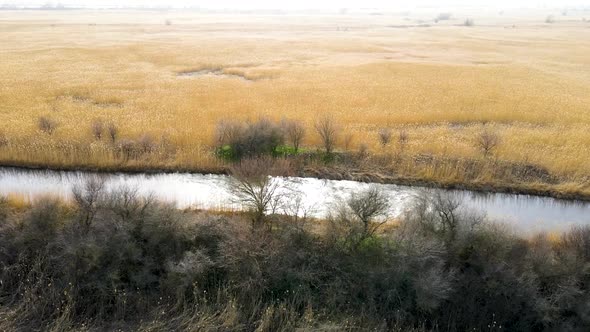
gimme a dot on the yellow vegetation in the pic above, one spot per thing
(443, 84)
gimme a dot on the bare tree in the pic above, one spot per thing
(487, 142)
(127, 204)
(368, 205)
(46, 125)
(97, 128)
(295, 132)
(113, 132)
(328, 131)
(87, 198)
(442, 215)
(385, 136)
(255, 189)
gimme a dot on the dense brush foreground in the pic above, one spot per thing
(113, 260)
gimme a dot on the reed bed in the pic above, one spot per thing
(442, 85)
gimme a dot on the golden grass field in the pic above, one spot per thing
(512, 74)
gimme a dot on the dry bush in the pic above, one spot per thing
(385, 135)
(229, 131)
(97, 129)
(441, 215)
(46, 125)
(402, 140)
(294, 131)
(256, 190)
(127, 149)
(328, 131)
(487, 142)
(468, 22)
(144, 265)
(550, 19)
(250, 140)
(146, 144)
(368, 205)
(88, 197)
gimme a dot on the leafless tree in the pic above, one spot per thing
(328, 131)
(368, 205)
(255, 189)
(487, 142)
(113, 132)
(46, 125)
(97, 128)
(294, 131)
(442, 215)
(127, 204)
(87, 197)
(384, 136)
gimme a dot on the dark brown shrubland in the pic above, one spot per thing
(144, 265)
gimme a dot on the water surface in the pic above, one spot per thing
(522, 212)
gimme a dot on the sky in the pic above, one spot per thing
(305, 4)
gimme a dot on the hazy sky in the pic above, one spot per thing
(307, 4)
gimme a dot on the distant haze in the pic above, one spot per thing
(301, 4)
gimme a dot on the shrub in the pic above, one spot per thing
(385, 135)
(97, 129)
(368, 205)
(127, 149)
(144, 265)
(487, 142)
(549, 19)
(328, 131)
(256, 190)
(256, 139)
(46, 125)
(146, 144)
(468, 22)
(87, 197)
(402, 140)
(294, 131)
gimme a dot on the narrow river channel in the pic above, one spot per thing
(521, 212)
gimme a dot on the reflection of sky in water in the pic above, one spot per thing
(525, 213)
